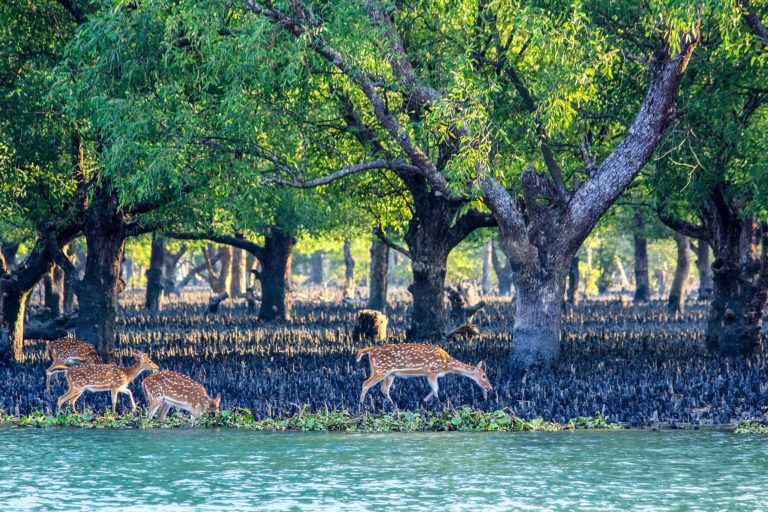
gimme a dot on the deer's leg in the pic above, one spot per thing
(154, 405)
(67, 396)
(163, 411)
(386, 386)
(432, 379)
(130, 395)
(371, 381)
(114, 392)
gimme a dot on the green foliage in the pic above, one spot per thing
(463, 420)
(753, 426)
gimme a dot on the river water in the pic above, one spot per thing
(230, 470)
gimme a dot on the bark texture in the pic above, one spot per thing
(377, 279)
(642, 281)
(349, 271)
(154, 295)
(677, 292)
(705, 271)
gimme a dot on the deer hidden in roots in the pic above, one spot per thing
(167, 389)
(416, 360)
(104, 377)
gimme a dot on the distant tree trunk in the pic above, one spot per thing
(503, 271)
(487, 264)
(97, 292)
(642, 286)
(349, 271)
(705, 271)
(239, 273)
(317, 268)
(275, 274)
(377, 281)
(154, 296)
(70, 280)
(250, 265)
(219, 281)
(573, 282)
(676, 302)
(661, 280)
(52, 284)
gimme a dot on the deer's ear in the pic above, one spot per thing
(481, 365)
(217, 400)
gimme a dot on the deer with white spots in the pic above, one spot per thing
(167, 389)
(104, 377)
(416, 360)
(67, 352)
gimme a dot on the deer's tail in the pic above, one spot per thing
(363, 352)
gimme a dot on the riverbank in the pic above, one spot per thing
(636, 366)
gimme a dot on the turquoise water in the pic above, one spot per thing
(60, 469)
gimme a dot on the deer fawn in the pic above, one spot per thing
(167, 389)
(415, 360)
(104, 377)
(67, 352)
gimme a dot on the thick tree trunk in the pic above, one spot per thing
(97, 292)
(275, 274)
(317, 268)
(154, 296)
(239, 273)
(536, 332)
(349, 271)
(487, 264)
(740, 291)
(428, 290)
(503, 272)
(676, 302)
(705, 271)
(642, 281)
(573, 282)
(377, 280)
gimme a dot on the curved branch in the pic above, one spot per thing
(346, 171)
(235, 241)
(391, 243)
(684, 227)
(754, 21)
(467, 223)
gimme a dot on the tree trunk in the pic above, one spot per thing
(349, 271)
(97, 292)
(275, 274)
(536, 332)
(705, 271)
(740, 291)
(52, 285)
(428, 290)
(70, 280)
(377, 282)
(154, 296)
(487, 257)
(317, 268)
(14, 305)
(676, 302)
(219, 281)
(503, 272)
(642, 286)
(239, 275)
(573, 282)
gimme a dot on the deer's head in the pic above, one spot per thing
(479, 376)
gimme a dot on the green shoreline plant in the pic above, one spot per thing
(464, 419)
(753, 426)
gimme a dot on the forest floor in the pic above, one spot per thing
(634, 365)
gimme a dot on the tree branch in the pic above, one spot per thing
(346, 171)
(235, 241)
(754, 21)
(391, 243)
(467, 223)
(684, 227)
(606, 183)
(76, 13)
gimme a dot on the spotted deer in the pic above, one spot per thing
(65, 353)
(167, 389)
(104, 377)
(416, 360)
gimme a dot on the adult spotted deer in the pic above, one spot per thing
(167, 389)
(104, 377)
(67, 352)
(415, 360)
